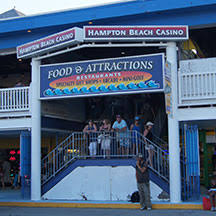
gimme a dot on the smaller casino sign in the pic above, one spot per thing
(103, 77)
(52, 42)
(135, 33)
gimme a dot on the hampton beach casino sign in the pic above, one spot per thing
(137, 33)
(76, 35)
(110, 76)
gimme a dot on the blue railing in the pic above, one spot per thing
(190, 163)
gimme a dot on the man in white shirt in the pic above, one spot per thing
(120, 127)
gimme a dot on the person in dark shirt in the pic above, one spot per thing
(90, 128)
(2, 176)
(136, 130)
(147, 132)
(142, 177)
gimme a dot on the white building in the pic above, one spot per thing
(47, 116)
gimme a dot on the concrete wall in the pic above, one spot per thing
(99, 183)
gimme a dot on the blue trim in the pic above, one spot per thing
(102, 162)
(99, 12)
(13, 32)
(25, 163)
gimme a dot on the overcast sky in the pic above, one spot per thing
(29, 7)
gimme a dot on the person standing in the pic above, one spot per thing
(90, 128)
(120, 126)
(106, 139)
(149, 138)
(142, 178)
(6, 169)
(148, 131)
(136, 130)
(2, 176)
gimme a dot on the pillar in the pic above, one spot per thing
(25, 163)
(36, 132)
(173, 129)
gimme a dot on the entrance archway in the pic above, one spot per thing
(172, 121)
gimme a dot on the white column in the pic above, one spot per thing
(173, 129)
(36, 132)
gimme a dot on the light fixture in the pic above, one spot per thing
(12, 152)
(19, 60)
(194, 51)
(29, 31)
(72, 150)
(90, 23)
(123, 53)
(12, 158)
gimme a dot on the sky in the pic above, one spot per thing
(29, 7)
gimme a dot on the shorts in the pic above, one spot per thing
(124, 142)
(93, 148)
(105, 143)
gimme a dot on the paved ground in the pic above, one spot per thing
(21, 211)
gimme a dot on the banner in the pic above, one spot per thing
(168, 89)
(102, 77)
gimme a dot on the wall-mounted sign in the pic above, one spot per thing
(135, 33)
(102, 77)
(168, 89)
(102, 33)
(50, 43)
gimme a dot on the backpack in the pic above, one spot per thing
(135, 197)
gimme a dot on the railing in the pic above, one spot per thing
(14, 99)
(160, 142)
(107, 145)
(190, 163)
(197, 82)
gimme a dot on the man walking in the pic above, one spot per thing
(142, 177)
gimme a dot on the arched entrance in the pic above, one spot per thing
(135, 37)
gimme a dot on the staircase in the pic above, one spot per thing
(74, 152)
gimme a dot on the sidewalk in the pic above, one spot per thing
(14, 198)
(30, 211)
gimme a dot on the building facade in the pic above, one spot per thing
(41, 123)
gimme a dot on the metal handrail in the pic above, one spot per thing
(160, 142)
(81, 145)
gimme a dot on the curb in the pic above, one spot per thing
(100, 205)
